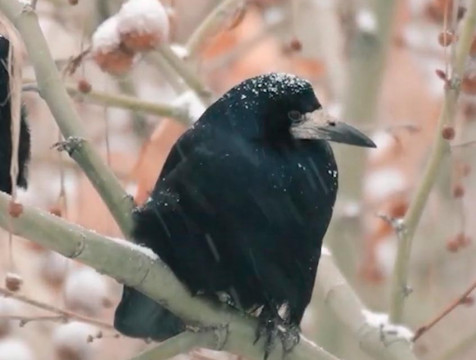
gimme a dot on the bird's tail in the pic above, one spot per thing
(141, 317)
(6, 130)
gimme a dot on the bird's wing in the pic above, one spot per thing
(217, 218)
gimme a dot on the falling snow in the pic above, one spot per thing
(366, 21)
(385, 182)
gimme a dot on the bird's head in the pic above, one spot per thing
(286, 108)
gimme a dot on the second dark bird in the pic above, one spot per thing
(5, 128)
(241, 206)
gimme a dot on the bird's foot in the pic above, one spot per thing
(271, 327)
(268, 328)
(290, 336)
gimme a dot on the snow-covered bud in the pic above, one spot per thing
(13, 281)
(143, 24)
(107, 51)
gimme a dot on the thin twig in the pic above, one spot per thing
(27, 319)
(440, 146)
(464, 144)
(182, 69)
(64, 313)
(122, 101)
(454, 304)
(208, 25)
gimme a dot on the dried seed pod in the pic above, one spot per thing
(15, 209)
(295, 44)
(448, 133)
(441, 74)
(452, 245)
(458, 191)
(55, 210)
(84, 86)
(446, 38)
(13, 281)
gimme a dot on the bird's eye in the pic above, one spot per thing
(294, 115)
(332, 123)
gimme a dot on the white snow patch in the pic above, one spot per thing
(190, 101)
(180, 50)
(15, 349)
(131, 188)
(366, 21)
(351, 209)
(106, 37)
(273, 14)
(386, 252)
(385, 182)
(335, 109)
(73, 339)
(144, 250)
(382, 322)
(86, 289)
(144, 17)
(384, 141)
(325, 251)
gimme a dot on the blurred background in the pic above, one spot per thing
(372, 63)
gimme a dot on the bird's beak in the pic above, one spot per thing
(320, 125)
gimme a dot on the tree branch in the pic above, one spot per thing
(440, 146)
(52, 90)
(448, 309)
(131, 103)
(63, 314)
(208, 24)
(133, 266)
(347, 306)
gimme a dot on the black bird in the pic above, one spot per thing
(241, 206)
(5, 128)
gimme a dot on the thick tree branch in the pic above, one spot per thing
(150, 276)
(147, 274)
(52, 90)
(346, 305)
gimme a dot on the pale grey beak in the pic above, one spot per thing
(320, 125)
